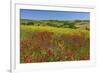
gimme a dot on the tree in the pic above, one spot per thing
(30, 23)
(72, 25)
(23, 23)
(69, 24)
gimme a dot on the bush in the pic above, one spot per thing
(30, 23)
(51, 24)
(23, 23)
(69, 24)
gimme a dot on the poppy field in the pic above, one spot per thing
(54, 41)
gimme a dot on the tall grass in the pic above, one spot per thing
(47, 44)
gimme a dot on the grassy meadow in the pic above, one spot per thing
(54, 40)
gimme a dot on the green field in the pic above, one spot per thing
(53, 40)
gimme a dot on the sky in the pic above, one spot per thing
(53, 15)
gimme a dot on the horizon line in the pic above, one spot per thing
(56, 19)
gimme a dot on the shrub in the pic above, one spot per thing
(30, 23)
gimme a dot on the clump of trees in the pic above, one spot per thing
(28, 23)
(69, 24)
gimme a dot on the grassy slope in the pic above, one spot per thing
(28, 29)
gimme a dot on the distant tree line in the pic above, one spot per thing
(54, 23)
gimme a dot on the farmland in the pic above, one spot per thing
(54, 40)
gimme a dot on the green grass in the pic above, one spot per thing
(27, 29)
